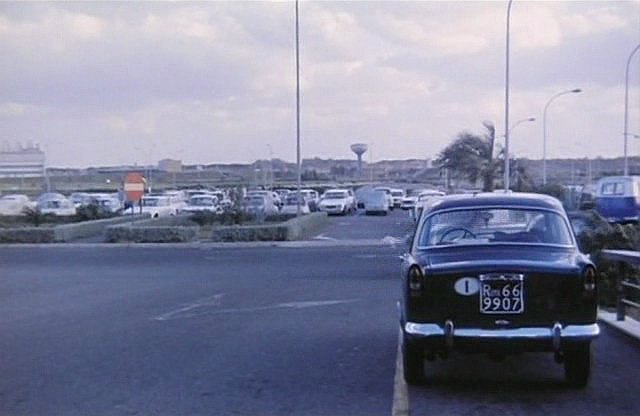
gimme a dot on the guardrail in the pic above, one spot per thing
(626, 256)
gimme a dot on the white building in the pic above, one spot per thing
(22, 162)
(170, 165)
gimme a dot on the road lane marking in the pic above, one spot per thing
(392, 240)
(365, 256)
(314, 303)
(400, 390)
(195, 310)
(323, 237)
(209, 301)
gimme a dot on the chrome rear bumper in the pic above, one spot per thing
(555, 334)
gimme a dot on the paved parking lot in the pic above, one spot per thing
(394, 226)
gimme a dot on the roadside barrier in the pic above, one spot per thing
(625, 285)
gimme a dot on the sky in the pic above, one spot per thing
(111, 83)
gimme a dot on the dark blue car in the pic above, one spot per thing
(497, 273)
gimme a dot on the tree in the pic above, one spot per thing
(521, 180)
(471, 156)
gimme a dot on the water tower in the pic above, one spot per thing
(359, 149)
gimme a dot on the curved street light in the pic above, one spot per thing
(517, 123)
(626, 108)
(544, 130)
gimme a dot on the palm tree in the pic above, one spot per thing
(471, 156)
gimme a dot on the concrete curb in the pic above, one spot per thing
(211, 245)
(629, 326)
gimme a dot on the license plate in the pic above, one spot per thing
(501, 293)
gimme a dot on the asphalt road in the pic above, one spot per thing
(251, 331)
(186, 331)
(394, 226)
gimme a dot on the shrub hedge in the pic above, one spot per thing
(600, 235)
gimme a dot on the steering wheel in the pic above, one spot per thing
(466, 232)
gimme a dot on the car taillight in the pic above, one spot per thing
(416, 279)
(589, 279)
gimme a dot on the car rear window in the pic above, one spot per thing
(495, 225)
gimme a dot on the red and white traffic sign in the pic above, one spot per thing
(134, 186)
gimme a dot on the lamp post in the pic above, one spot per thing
(270, 166)
(544, 129)
(626, 108)
(517, 123)
(299, 173)
(507, 174)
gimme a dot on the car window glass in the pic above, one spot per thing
(495, 225)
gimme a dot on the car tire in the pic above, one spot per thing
(412, 363)
(577, 365)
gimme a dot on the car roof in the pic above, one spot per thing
(530, 200)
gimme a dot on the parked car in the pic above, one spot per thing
(397, 195)
(49, 195)
(223, 199)
(202, 203)
(337, 202)
(177, 199)
(291, 205)
(587, 198)
(387, 192)
(109, 203)
(376, 203)
(422, 200)
(56, 204)
(409, 201)
(15, 204)
(272, 197)
(422, 206)
(361, 194)
(260, 205)
(82, 199)
(157, 206)
(177, 195)
(618, 198)
(312, 197)
(497, 274)
(282, 193)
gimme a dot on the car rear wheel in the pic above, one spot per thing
(413, 363)
(577, 365)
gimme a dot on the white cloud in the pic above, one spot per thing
(535, 26)
(594, 21)
(187, 23)
(10, 109)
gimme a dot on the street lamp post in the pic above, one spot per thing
(544, 129)
(299, 173)
(626, 108)
(506, 105)
(270, 166)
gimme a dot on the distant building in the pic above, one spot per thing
(170, 165)
(22, 162)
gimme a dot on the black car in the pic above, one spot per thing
(497, 273)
